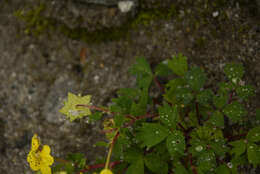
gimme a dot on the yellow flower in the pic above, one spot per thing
(39, 157)
(106, 171)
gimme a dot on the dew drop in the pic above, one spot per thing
(199, 148)
(230, 165)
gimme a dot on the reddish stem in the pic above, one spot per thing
(230, 97)
(198, 113)
(139, 118)
(194, 170)
(158, 84)
(94, 107)
(103, 110)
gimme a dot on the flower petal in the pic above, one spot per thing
(45, 169)
(33, 161)
(47, 159)
(35, 142)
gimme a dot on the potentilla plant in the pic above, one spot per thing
(182, 128)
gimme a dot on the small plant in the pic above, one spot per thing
(185, 128)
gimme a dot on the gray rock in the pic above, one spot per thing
(56, 97)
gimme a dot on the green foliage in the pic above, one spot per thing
(187, 129)
(239, 147)
(176, 143)
(137, 167)
(254, 135)
(253, 154)
(235, 111)
(151, 134)
(143, 73)
(195, 78)
(178, 64)
(234, 72)
(217, 119)
(154, 163)
(168, 115)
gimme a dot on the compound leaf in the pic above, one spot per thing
(137, 167)
(143, 73)
(234, 72)
(254, 134)
(196, 78)
(156, 164)
(178, 64)
(176, 143)
(239, 147)
(151, 134)
(253, 154)
(235, 111)
(168, 115)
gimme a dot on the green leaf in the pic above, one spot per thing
(219, 147)
(217, 119)
(139, 108)
(183, 96)
(121, 145)
(101, 144)
(204, 97)
(130, 93)
(235, 111)
(143, 73)
(136, 167)
(253, 154)
(236, 162)
(207, 161)
(132, 154)
(156, 164)
(178, 93)
(197, 147)
(244, 92)
(192, 120)
(119, 120)
(254, 135)
(196, 78)
(180, 169)
(176, 143)
(223, 169)
(151, 134)
(122, 104)
(225, 87)
(234, 72)
(72, 111)
(239, 147)
(220, 101)
(95, 116)
(162, 69)
(178, 64)
(168, 115)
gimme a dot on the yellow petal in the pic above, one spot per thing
(35, 142)
(45, 150)
(106, 171)
(33, 161)
(47, 159)
(45, 169)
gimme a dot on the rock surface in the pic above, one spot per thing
(36, 73)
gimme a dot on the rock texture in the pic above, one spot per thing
(36, 73)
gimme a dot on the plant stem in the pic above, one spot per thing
(94, 107)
